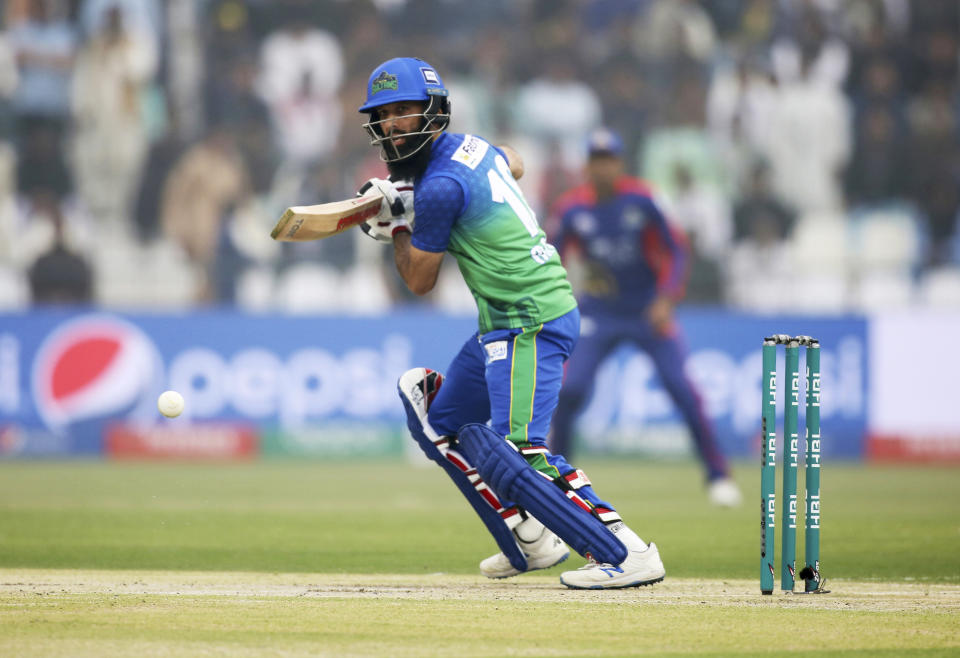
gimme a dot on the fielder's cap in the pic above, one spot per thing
(604, 141)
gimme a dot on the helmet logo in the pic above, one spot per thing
(429, 76)
(383, 82)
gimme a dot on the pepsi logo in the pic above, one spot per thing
(96, 366)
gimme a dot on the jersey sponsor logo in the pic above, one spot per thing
(543, 251)
(471, 152)
(430, 76)
(633, 218)
(602, 248)
(383, 82)
(496, 351)
(584, 223)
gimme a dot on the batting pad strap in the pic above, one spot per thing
(500, 464)
(576, 479)
(608, 516)
(572, 480)
(499, 521)
(531, 451)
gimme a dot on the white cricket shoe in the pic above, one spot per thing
(642, 567)
(542, 551)
(724, 492)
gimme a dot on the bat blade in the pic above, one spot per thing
(303, 223)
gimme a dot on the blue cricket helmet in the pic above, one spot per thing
(406, 79)
(403, 79)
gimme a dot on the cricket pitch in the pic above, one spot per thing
(51, 612)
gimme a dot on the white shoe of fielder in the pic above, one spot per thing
(543, 549)
(724, 492)
(642, 567)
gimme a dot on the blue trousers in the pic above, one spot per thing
(606, 333)
(512, 378)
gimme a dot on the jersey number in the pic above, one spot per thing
(504, 188)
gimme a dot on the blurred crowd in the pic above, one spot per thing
(809, 148)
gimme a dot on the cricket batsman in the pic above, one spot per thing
(634, 272)
(485, 422)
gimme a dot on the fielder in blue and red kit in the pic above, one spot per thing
(633, 269)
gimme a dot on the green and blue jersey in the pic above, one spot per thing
(468, 204)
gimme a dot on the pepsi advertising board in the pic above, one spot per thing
(86, 383)
(83, 383)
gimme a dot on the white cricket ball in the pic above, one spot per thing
(170, 404)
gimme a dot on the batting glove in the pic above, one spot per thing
(396, 210)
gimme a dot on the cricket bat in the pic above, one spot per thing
(302, 223)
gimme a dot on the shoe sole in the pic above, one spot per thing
(639, 583)
(520, 573)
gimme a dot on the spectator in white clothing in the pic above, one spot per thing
(558, 108)
(809, 143)
(302, 71)
(113, 70)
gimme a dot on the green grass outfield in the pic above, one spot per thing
(343, 559)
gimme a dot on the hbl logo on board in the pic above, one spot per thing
(94, 367)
